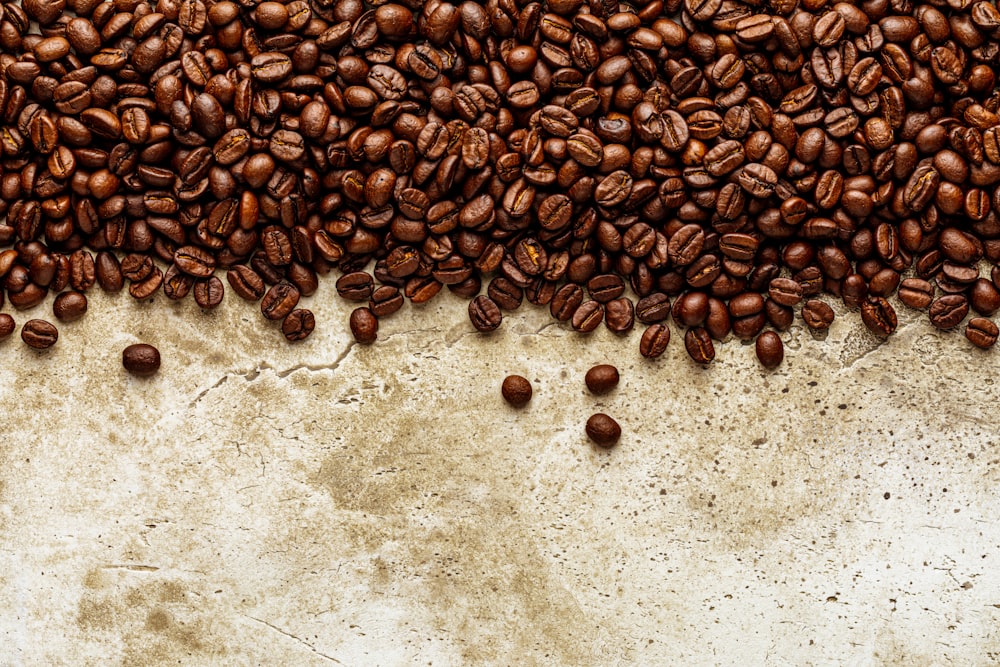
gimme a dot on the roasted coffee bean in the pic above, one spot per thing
(39, 334)
(208, 293)
(587, 316)
(654, 341)
(279, 300)
(949, 310)
(485, 314)
(69, 306)
(770, 350)
(516, 390)
(982, 332)
(298, 324)
(7, 325)
(699, 345)
(364, 326)
(879, 316)
(817, 314)
(603, 430)
(601, 379)
(141, 359)
(916, 293)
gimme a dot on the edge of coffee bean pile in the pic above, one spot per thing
(725, 164)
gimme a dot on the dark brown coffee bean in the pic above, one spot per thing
(485, 314)
(948, 311)
(298, 324)
(516, 390)
(879, 316)
(364, 326)
(194, 261)
(208, 293)
(817, 314)
(280, 300)
(601, 379)
(603, 430)
(982, 332)
(587, 316)
(39, 334)
(246, 282)
(69, 306)
(565, 302)
(770, 350)
(141, 359)
(699, 345)
(654, 341)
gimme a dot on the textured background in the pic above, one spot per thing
(327, 503)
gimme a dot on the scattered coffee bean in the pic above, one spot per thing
(982, 332)
(7, 325)
(601, 379)
(298, 324)
(770, 350)
(516, 390)
(39, 334)
(364, 326)
(603, 430)
(69, 306)
(141, 359)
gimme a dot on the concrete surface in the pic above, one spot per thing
(260, 503)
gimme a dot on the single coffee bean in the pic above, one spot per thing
(516, 390)
(364, 325)
(603, 430)
(485, 314)
(209, 293)
(141, 359)
(280, 300)
(69, 306)
(916, 293)
(39, 334)
(601, 379)
(879, 316)
(949, 310)
(699, 345)
(654, 340)
(7, 325)
(818, 315)
(298, 324)
(982, 332)
(588, 316)
(770, 350)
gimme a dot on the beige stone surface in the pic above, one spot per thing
(259, 503)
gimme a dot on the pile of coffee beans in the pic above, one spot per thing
(718, 162)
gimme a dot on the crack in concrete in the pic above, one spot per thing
(293, 637)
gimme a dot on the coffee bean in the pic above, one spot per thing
(818, 315)
(949, 310)
(516, 390)
(699, 345)
(485, 314)
(878, 316)
(7, 325)
(141, 359)
(601, 379)
(587, 316)
(298, 324)
(39, 334)
(654, 341)
(69, 306)
(982, 332)
(279, 300)
(770, 350)
(603, 430)
(364, 326)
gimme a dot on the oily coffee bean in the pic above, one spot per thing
(601, 379)
(279, 300)
(69, 306)
(7, 325)
(208, 293)
(982, 332)
(364, 326)
(770, 350)
(39, 334)
(298, 324)
(699, 345)
(141, 359)
(817, 314)
(879, 316)
(485, 314)
(654, 340)
(516, 390)
(603, 430)
(948, 311)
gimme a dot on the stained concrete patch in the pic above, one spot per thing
(330, 503)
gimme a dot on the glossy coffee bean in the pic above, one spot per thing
(39, 334)
(141, 359)
(516, 390)
(601, 379)
(603, 430)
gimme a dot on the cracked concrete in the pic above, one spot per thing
(325, 502)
